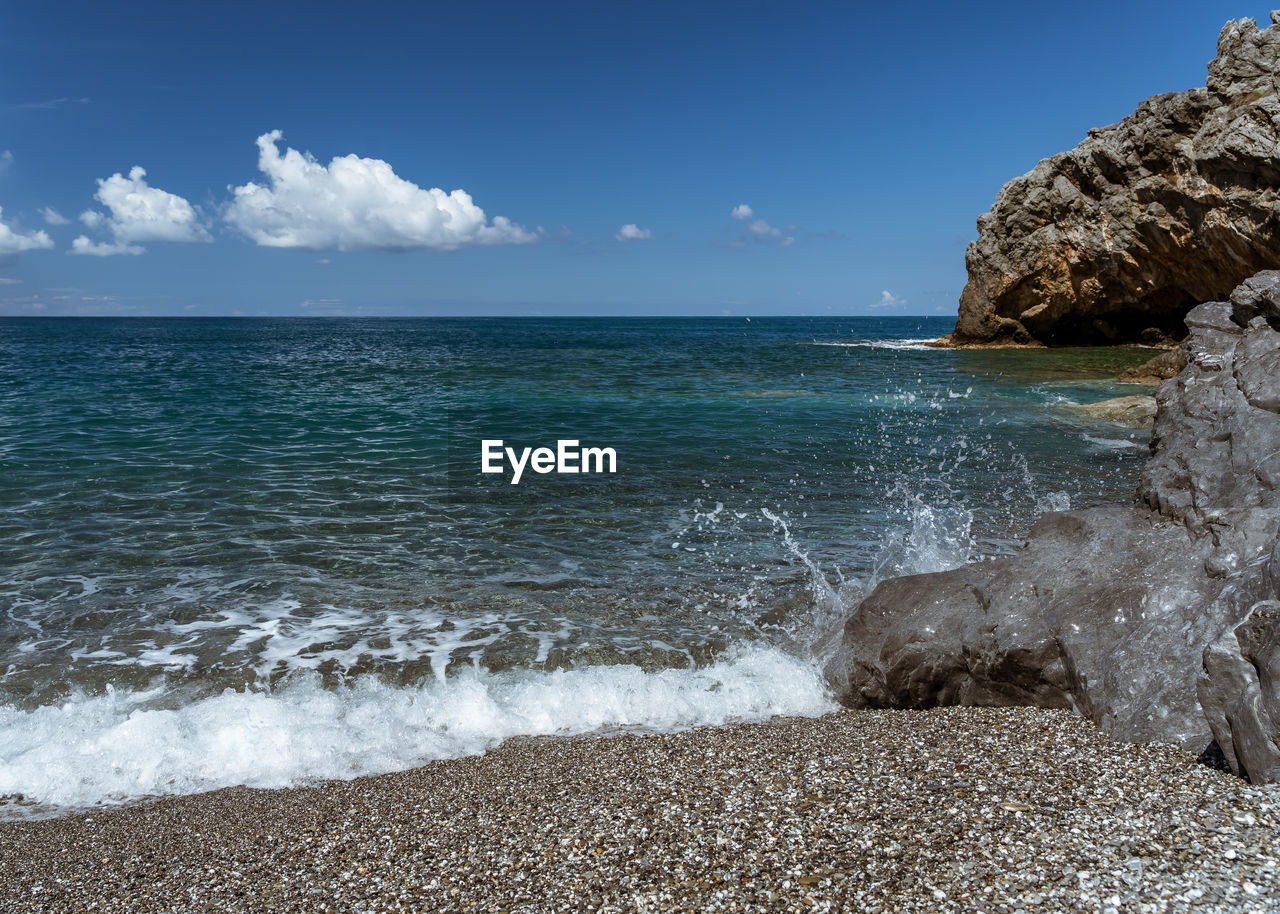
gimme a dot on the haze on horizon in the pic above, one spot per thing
(500, 159)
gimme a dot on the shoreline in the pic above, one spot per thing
(946, 342)
(951, 808)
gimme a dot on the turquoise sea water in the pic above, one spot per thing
(262, 551)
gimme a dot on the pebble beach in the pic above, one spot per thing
(956, 809)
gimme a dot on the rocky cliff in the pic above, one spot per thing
(1159, 620)
(1115, 240)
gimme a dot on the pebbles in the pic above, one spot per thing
(957, 809)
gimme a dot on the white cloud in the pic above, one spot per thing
(632, 232)
(762, 229)
(55, 103)
(9, 281)
(12, 242)
(759, 230)
(355, 203)
(888, 300)
(140, 212)
(137, 212)
(83, 245)
(53, 217)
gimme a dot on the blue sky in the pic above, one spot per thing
(805, 158)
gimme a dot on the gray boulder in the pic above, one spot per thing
(1159, 619)
(1257, 296)
(1239, 689)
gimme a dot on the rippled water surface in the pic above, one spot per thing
(261, 551)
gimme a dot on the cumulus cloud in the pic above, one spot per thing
(83, 245)
(632, 232)
(354, 204)
(11, 242)
(53, 217)
(137, 212)
(888, 300)
(758, 230)
(762, 229)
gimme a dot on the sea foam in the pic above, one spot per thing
(114, 747)
(921, 343)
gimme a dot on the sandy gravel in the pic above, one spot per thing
(947, 810)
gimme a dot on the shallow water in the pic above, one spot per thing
(262, 551)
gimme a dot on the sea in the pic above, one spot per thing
(265, 551)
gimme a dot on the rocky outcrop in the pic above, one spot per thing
(1159, 620)
(1115, 240)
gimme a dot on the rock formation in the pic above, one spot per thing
(1115, 240)
(1159, 620)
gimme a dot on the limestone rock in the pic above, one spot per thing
(1115, 240)
(1159, 620)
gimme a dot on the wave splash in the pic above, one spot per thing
(116, 747)
(130, 744)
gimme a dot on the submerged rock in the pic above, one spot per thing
(1160, 368)
(1115, 240)
(1158, 620)
(1136, 409)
